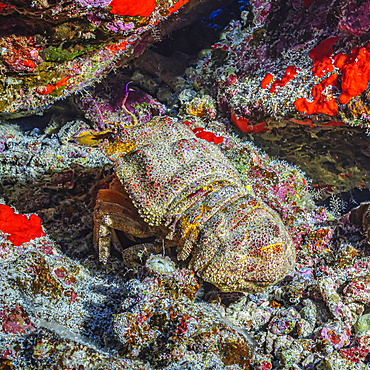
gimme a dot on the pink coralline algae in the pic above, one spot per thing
(284, 322)
(15, 321)
(119, 26)
(355, 354)
(358, 290)
(22, 55)
(336, 334)
(261, 10)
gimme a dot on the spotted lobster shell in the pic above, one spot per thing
(235, 241)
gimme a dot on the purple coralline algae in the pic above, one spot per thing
(356, 19)
(107, 102)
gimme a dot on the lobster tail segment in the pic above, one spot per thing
(244, 248)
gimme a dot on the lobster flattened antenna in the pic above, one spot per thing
(134, 120)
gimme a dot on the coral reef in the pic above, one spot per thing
(281, 62)
(288, 75)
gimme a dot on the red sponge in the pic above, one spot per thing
(20, 227)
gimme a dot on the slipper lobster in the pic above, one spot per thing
(188, 187)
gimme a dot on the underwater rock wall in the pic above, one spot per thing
(51, 50)
(301, 61)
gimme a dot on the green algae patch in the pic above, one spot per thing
(59, 54)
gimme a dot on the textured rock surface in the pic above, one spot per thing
(61, 47)
(51, 306)
(56, 312)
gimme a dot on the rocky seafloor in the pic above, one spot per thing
(60, 308)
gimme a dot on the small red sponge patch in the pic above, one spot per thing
(133, 8)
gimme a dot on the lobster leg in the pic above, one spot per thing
(114, 211)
